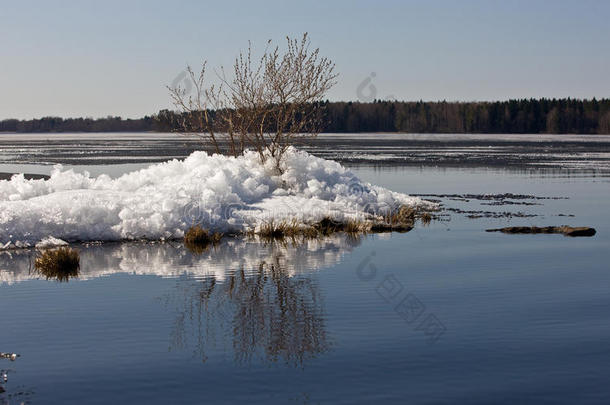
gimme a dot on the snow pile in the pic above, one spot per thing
(50, 242)
(162, 201)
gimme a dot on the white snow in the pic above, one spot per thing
(50, 242)
(160, 202)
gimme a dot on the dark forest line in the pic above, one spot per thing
(558, 116)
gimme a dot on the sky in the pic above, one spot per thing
(99, 58)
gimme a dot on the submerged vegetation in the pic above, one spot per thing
(61, 264)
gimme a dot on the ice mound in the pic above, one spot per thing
(160, 202)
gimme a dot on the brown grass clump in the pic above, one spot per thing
(327, 226)
(402, 216)
(399, 220)
(293, 229)
(425, 218)
(272, 230)
(197, 239)
(310, 232)
(61, 264)
(354, 227)
(281, 230)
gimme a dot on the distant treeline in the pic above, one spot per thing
(58, 124)
(556, 116)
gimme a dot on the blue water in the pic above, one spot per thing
(442, 314)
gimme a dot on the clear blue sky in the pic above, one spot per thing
(98, 58)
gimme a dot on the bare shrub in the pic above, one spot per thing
(268, 104)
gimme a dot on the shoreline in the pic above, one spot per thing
(572, 152)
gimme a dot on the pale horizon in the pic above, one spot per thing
(112, 59)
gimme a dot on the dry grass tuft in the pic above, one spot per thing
(353, 227)
(327, 226)
(272, 230)
(293, 229)
(61, 264)
(310, 232)
(400, 220)
(197, 239)
(402, 216)
(281, 230)
(425, 218)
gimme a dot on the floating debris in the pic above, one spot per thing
(504, 199)
(506, 202)
(474, 214)
(504, 196)
(565, 230)
(10, 356)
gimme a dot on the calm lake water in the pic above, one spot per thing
(443, 314)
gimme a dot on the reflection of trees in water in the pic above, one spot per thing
(265, 313)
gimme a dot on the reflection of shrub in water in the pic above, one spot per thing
(61, 264)
(266, 313)
(279, 314)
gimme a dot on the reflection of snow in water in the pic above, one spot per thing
(174, 260)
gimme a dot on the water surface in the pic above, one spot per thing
(443, 314)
